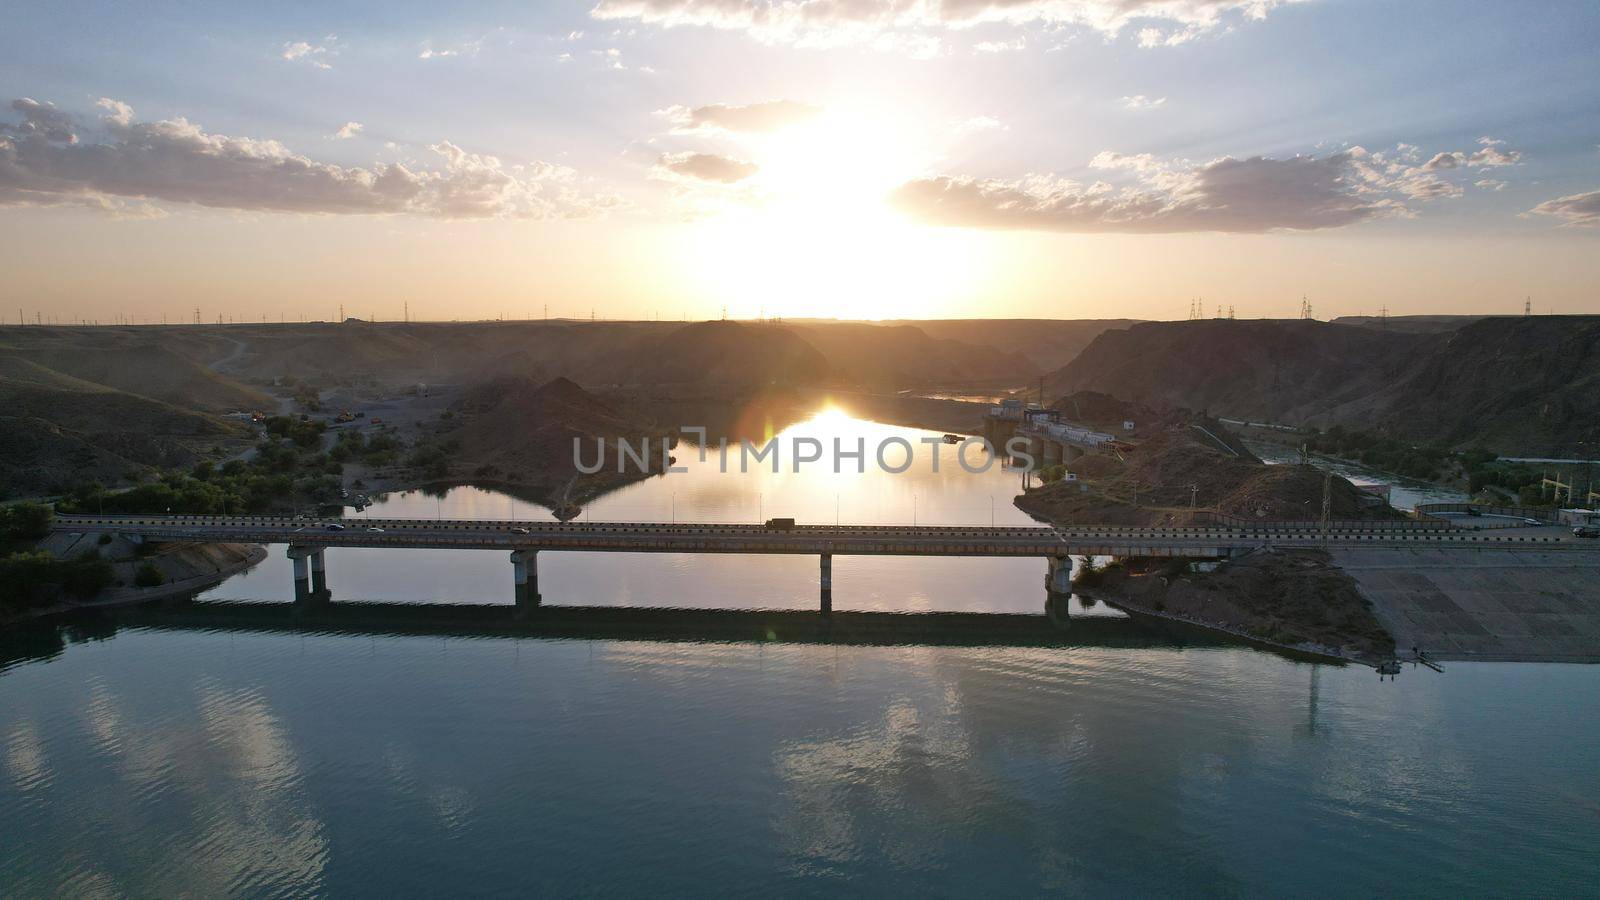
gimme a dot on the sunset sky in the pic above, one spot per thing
(851, 158)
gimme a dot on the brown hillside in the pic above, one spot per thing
(1160, 472)
(1513, 384)
(518, 432)
(893, 357)
(725, 353)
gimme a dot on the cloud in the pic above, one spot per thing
(754, 118)
(1491, 156)
(1491, 184)
(1576, 210)
(347, 130)
(999, 46)
(314, 54)
(704, 167)
(176, 161)
(980, 123)
(1140, 102)
(41, 120)
(904, 24)
(1232, 195)
(1229, 195)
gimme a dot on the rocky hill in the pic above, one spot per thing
(1516, 385)
(1046, 344)
(1177, 469)
(519, 433)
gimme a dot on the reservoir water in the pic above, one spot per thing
(162, 762)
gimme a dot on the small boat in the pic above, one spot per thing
(953, 439)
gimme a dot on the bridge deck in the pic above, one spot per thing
(921, 540)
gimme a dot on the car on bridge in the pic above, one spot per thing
(1586, 531)
(333, 526)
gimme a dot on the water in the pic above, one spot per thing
(163, 762)
(704, 493)
(1405, 493)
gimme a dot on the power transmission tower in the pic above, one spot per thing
(197, 315)
(1327, 494)
(1527, 308)
(1383, 316)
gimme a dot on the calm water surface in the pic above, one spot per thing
(155, 762)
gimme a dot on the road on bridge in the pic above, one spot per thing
(922, 540)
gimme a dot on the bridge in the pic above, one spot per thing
(308, 541)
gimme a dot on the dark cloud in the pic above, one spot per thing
(43, 162)
(705, 167)
(1301, 193)
(1236, 195)
(40, 120)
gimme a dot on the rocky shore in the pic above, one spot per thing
(1296, 601)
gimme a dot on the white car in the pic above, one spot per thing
(374, 530)
(520, 530)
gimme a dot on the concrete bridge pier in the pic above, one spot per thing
(1052, 454)
(319, 574)
(525, 575)
(1058, 578)
(300, 555)
(827, 584)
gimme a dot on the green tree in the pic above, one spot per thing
(148, 575)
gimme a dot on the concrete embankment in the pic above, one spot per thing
(1465, 604)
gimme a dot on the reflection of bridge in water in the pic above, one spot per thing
(665, 624)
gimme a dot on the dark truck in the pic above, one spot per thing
(780, 524)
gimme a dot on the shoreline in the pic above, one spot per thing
(1315, 652)
(128, 595)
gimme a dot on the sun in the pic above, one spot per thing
(811, 234)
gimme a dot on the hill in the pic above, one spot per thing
(895, 357)
(1515, 385)
(519, 433)
(1047, 344)
(1178, 468)
(732, 354)
(1413, 324)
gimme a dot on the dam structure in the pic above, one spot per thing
(1050, 440)
(308, 541)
